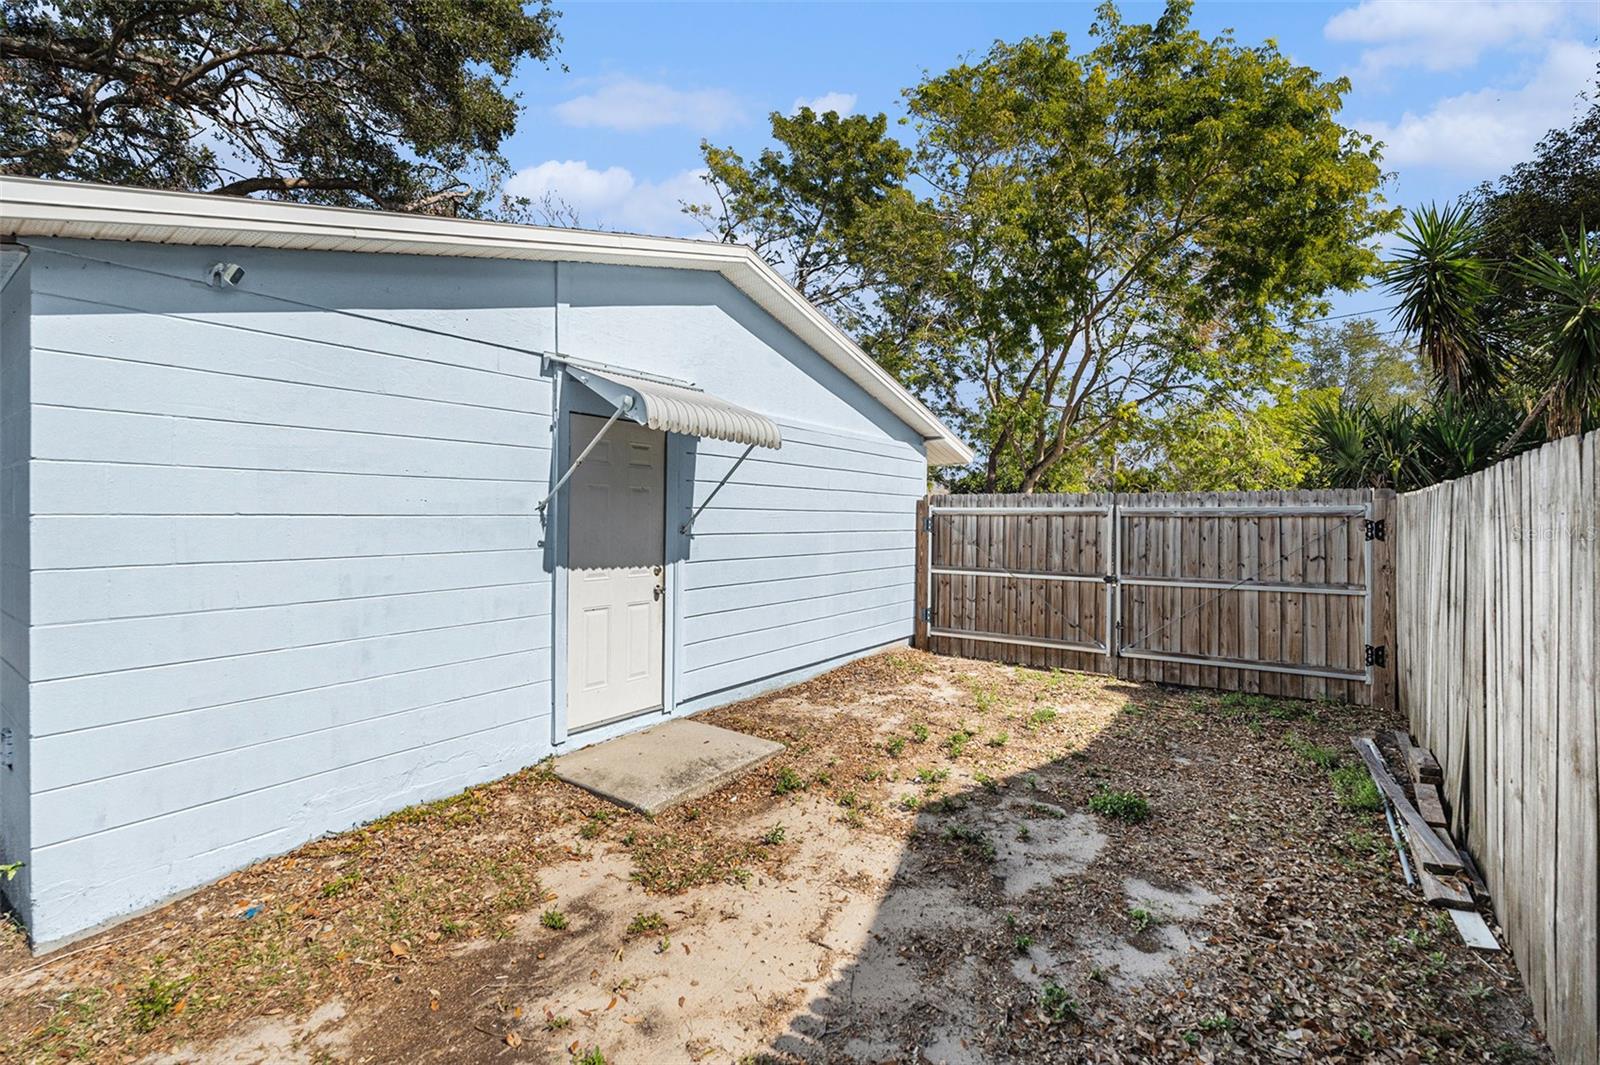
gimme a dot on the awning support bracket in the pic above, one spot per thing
(687, 526)
(622, 408)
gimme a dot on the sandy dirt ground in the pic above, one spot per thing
(935, 870)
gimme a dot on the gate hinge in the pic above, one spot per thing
(1377, 655)
(927, 614)
(1374, 529)
(927, 523)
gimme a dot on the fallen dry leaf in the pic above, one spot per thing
(513, 1039)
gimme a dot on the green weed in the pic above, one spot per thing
(788, 781)
(1355, 790)
(971, 841)
(1056, 1005)
(1122, 805)
(1321, 757)
(156, 1001)
(646, 922)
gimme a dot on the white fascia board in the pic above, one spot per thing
(30, 207)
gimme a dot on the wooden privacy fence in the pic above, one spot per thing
(1283, 593)
(1497, 668)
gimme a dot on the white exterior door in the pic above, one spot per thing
(616, 588)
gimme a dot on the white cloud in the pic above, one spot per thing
(630, 105)
(613, 198)
(1482, 133)
(842, 102)
(1438, 36)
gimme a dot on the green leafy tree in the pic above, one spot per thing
(400, 104)
(1544, 201)
(1364, 363)
(1085, 242)
(802, 206)
(1212, 447)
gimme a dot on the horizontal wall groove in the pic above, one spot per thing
(300, 383)
(807, 532)
(805, 643)
(789, 626)
(285, 561)
(896, 574)
(532, 651)
(294, 516)
(286, 425)
(535, 584)
(293, 736)
(279, 784)
(290, 647)
(287, 469)
(301, 338)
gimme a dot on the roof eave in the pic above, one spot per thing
(33, 207)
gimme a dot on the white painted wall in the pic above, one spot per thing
(282, 571)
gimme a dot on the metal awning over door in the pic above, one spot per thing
(667, 406)
(675, 407)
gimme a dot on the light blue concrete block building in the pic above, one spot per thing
(293, 530)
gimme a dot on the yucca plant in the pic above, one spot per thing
(1563, 331)
(1363, 445)
(1440, 286)
(1455, 437)
(1336, 436)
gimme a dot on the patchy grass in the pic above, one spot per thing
(670, 863)
(554, 920)
(1042, 716)
(1121, 805)
(773, 836)
(957, 743)
(1353, 786)
(1317, 755)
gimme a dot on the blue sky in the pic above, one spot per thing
(1459, 91)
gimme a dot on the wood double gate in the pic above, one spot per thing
(1282, 593)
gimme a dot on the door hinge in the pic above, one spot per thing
(1377, 655)
(1374, 529)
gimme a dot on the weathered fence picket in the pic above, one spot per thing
(1498, 650)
